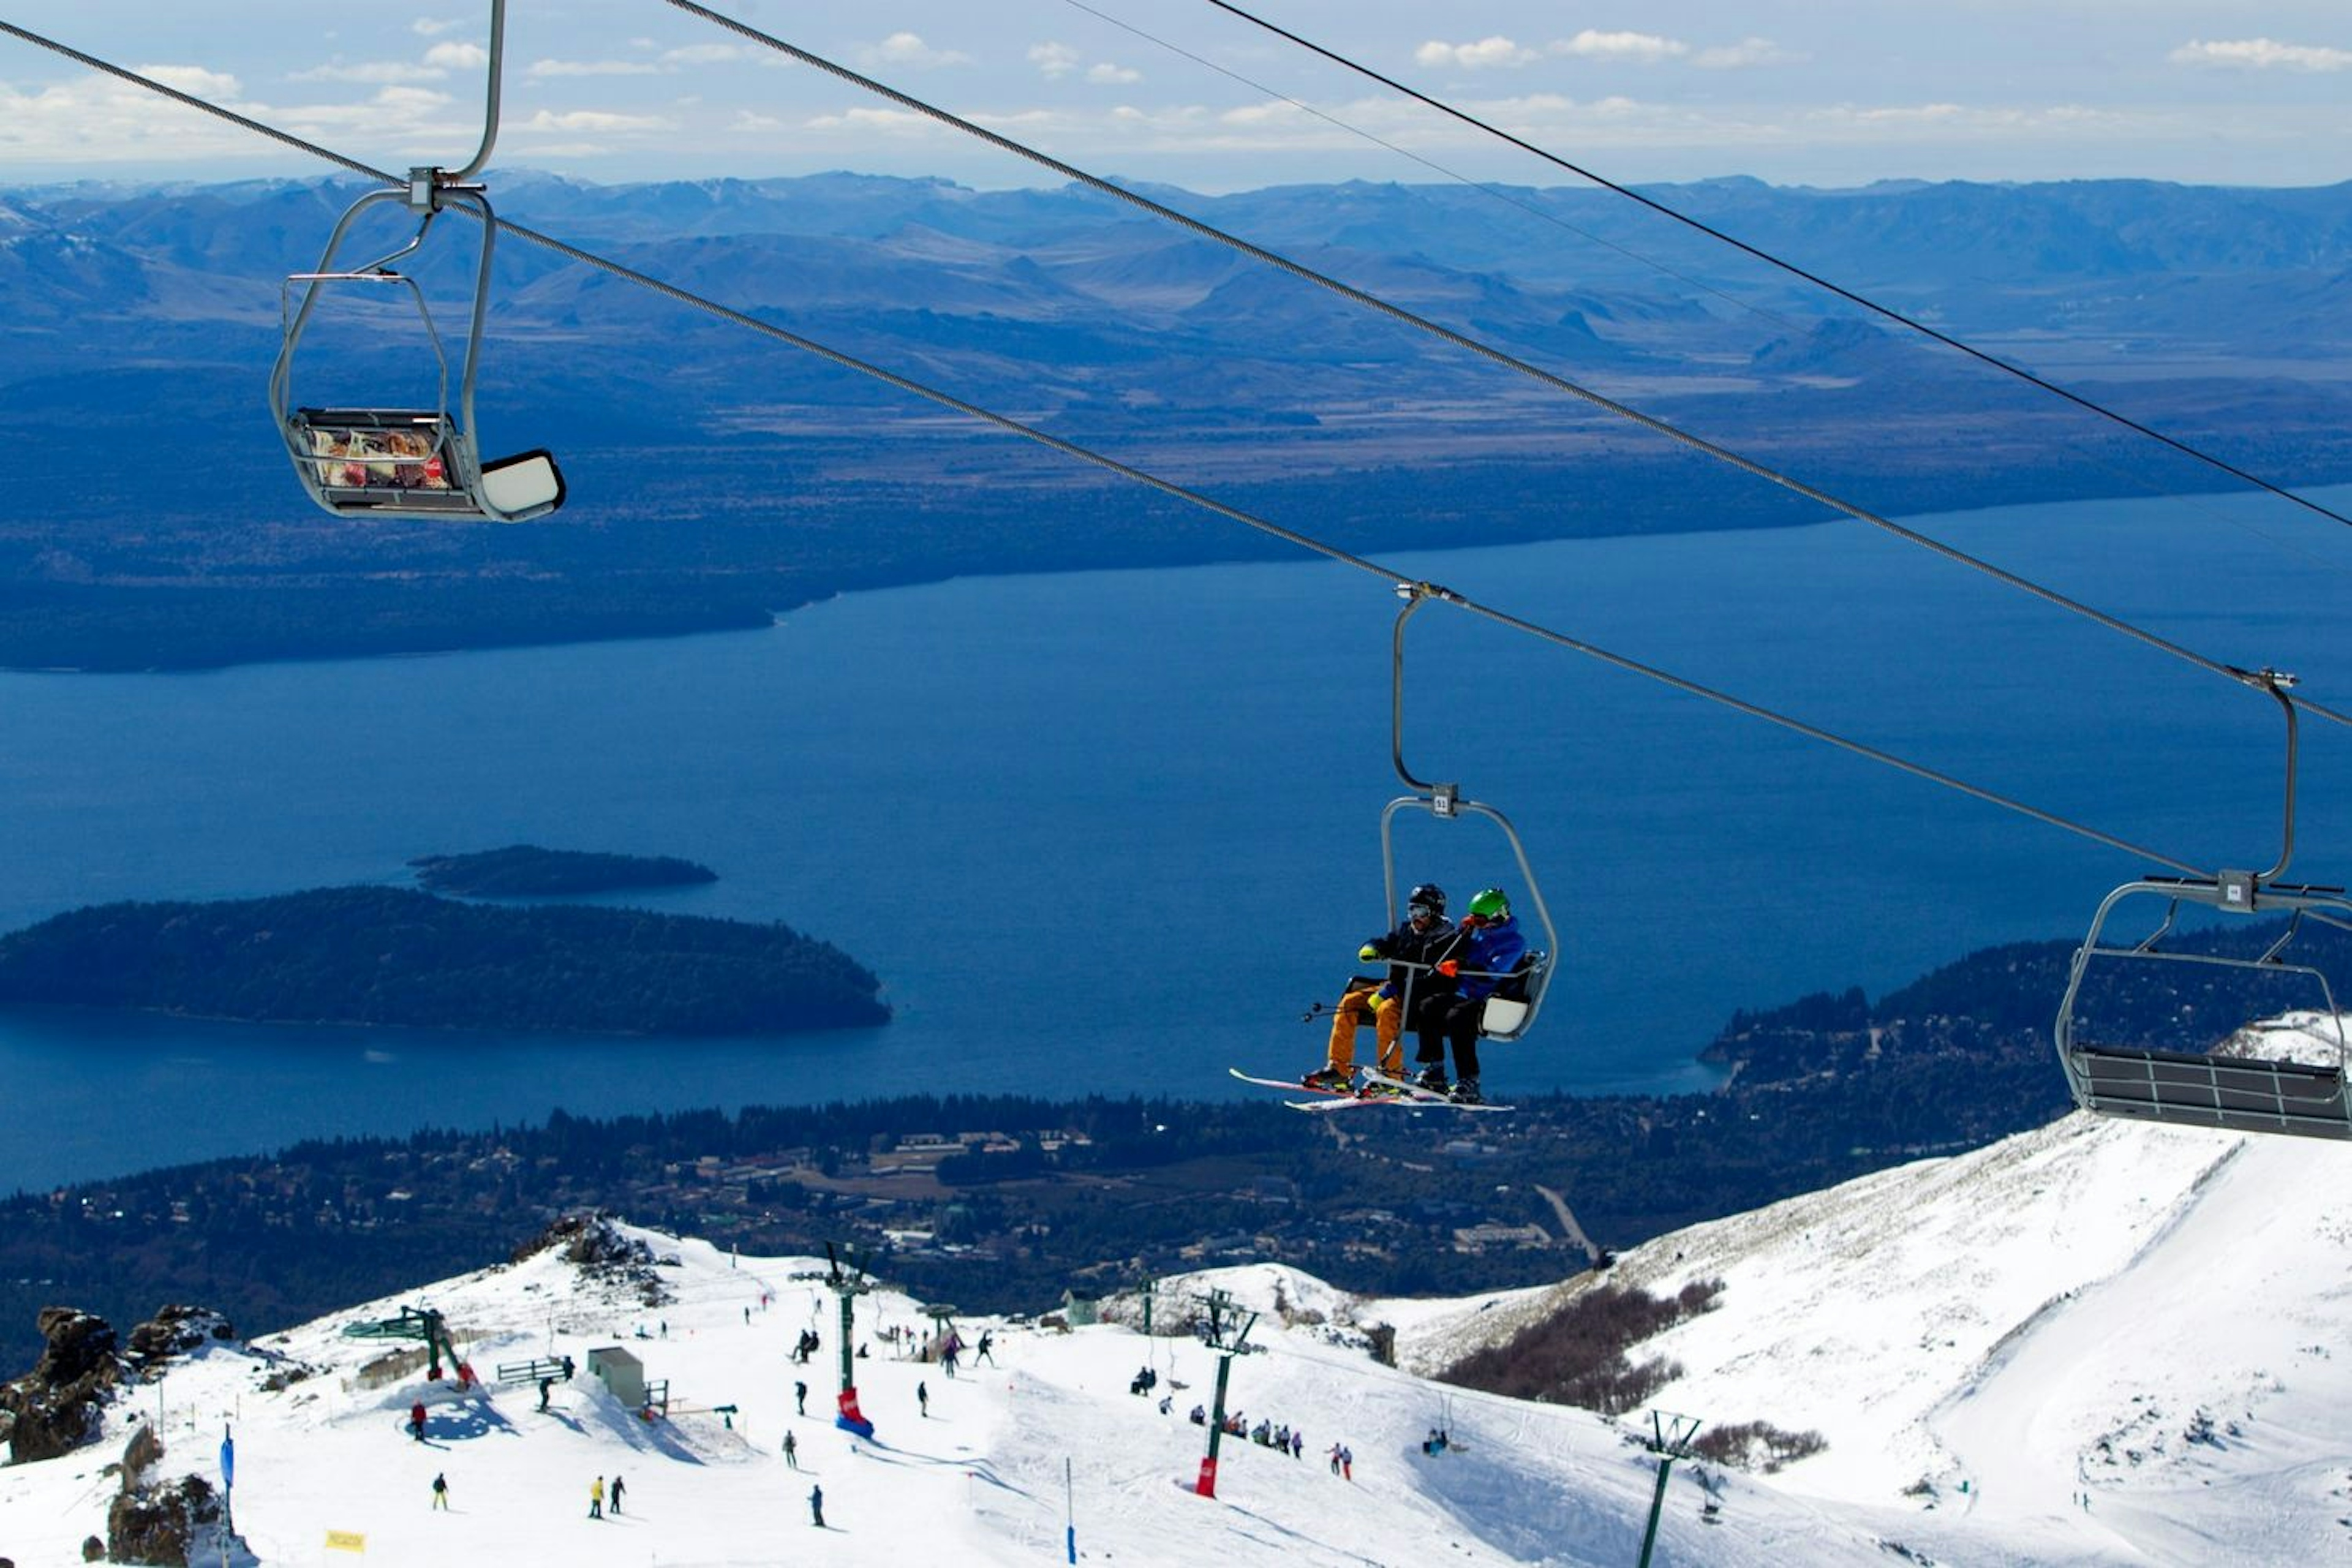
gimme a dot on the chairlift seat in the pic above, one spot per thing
(1513, 1001)
(2243, 1093)
(2239, 1094)
(406, 462)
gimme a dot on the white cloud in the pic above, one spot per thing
(99, 120)
(1054, 60)
(1272, 112)
(763, 123)
(196, 80)
(392, 110)
(590, 120)
(373, 71)
(2263, 53)
(1482, 55)
(543, 68)
(1746, 52)
(425, 27)
(706, 53)
(888, 122)
(458, 56)
(1645, 48)
(908, 50)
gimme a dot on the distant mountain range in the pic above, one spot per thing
(728, 474)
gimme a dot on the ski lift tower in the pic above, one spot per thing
(847, 1284)
(1670, 1439)
(1222, 1313)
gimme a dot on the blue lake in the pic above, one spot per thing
(1113, 832)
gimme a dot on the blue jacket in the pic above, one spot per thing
(1495, 949)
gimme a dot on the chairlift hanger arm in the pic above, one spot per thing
(1414, 595)
(481, 158)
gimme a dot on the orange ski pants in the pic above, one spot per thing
(1386, 1015)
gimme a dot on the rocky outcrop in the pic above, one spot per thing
(158, 1522)
(173, 1333)
(594, 1245)
(58, 1406)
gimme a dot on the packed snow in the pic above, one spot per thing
(2091, 1343)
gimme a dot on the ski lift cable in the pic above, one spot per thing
(1390, 577)
(1791, 268)
(1487, 351)
(2135, 477)
(1498, 193)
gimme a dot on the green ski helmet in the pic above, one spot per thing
(1489, 904)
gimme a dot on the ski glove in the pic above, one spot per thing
(1366, 952)
(1449, 969)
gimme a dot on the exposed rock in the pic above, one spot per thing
(175, 1332)
(140, 1456)
(157, 1522)
(56, 1407)
(596, 1248)
(157, 1525)
(93, 1550)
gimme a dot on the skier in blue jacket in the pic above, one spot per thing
(1488, 959)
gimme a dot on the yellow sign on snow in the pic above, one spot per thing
(346, 1541)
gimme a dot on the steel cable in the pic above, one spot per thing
(1005, 422)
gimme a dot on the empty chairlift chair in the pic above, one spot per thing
(2261, 1046)
(2263, 1075)
(405, 461)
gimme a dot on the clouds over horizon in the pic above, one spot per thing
(1592, 44)
(2262, 54)
(1058, 62)
(907, 51)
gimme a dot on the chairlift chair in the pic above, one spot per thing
(2226, 1085)
(1511, 1008)
(405, 462)
(411, 462)
(2240, 1092)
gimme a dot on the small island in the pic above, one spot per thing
(392, 956)
(527, 871)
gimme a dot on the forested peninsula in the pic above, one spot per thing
(527, 871)
(391, 956)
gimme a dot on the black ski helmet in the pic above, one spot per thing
(1428, 893)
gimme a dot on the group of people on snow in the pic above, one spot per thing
(1439, 979)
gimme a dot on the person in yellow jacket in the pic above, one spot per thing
(1383, 1003)
(596, 1498)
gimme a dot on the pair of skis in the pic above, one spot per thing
(1377, 1089)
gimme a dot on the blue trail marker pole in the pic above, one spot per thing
(1069, 1512)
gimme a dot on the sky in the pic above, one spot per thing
(1828, 93)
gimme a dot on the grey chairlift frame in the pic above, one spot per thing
(2239, 1093)
(1446, 803)
(509, 489)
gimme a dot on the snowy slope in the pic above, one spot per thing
(2043, 1320)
